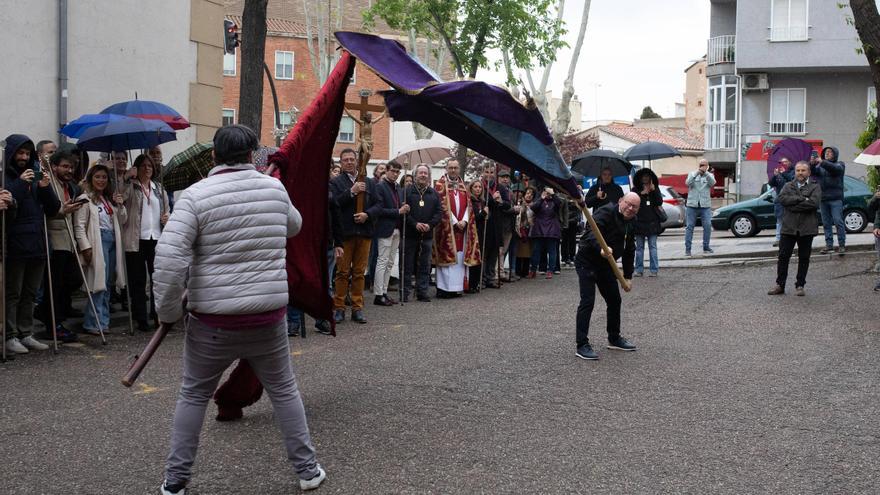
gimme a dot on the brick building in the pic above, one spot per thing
(287, 57)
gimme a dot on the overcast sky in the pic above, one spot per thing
(634, 54)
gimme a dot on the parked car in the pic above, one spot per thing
(673, 205)
(747, 218)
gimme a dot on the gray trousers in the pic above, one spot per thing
(23, 278)
(206, 355)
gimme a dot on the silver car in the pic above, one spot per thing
(673, 205)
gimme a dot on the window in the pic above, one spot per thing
(721, 113)
(228, 116)
(285, 118)
(872, 99)
(788, 111)
(354, 74)
(229, 64)
(283, 65)
(346, 130)
(789, 20)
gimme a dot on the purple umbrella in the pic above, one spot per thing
(792, 148)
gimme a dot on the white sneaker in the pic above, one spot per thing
(15, 347)
(31, 343)
(314, 482)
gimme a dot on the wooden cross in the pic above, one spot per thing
(365, 139)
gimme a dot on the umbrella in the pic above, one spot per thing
(75, 128)
(650, 150)
(261, 158)
(146, 109)
(188, 167)
(422, 151)
(871, 155)
(126, 133)
(792, 148)
(591, 163)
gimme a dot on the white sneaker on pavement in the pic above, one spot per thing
(33, 344)
(15, 347)
(314, 482)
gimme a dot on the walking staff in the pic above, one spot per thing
(127, 290)
(44, 164)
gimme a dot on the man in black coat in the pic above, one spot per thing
(498, 200)
(357, 234)
(604, 191)
(424, 214)
(25, 241)
(389, 222)
(615, 222)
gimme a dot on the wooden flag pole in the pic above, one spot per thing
(624, 284)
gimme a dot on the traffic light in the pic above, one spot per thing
(230, 36)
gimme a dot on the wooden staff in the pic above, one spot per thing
(141, 360)
(124, 263)
(611, 261)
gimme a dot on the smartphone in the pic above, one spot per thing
(38, 172)
(81, 201)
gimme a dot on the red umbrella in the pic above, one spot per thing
(871, 155)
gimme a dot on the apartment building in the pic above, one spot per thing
(777, 69)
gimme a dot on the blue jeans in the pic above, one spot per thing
(654, 261)
(832, 216)
(102, 298)
(545, 246)
(295, 316)
(705, 215)
(777, 210)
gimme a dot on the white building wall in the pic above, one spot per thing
(115, 48)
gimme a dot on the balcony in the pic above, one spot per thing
(721, 50)
(720, 135)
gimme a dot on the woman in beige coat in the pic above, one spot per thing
(98, 233)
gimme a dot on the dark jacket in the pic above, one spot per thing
(648, 220)
(618, 234)
(334, 223)
(430, 213)
(25, 235)
(830, 174)
(874, 210)
(779, 180)
(388, 215)
(340, 186)
(496, 212)
(613, 193)
(800, 205)
(546, 220)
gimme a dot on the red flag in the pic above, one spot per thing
(304, 162)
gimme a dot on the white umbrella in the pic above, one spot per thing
(422, 151)
(871, 155)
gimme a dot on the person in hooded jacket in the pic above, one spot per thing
(648, 219)
(830, 172)
(25, 241)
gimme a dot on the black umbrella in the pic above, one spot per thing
(592, 163)
(650, 150)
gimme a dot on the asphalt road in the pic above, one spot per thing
(731, 391)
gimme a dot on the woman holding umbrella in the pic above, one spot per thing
(98, 233)
(147, 207)
(648, 220)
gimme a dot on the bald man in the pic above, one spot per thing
(615, 222)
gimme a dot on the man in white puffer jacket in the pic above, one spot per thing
(224, 246)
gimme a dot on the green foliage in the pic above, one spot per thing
(865, 139)
(527, 28)
(649, 113)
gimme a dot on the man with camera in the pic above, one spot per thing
(25, 241)
(800, 198)
(699, 204)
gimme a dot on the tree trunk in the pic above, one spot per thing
(253, 52)
(563, 113)
(867, 22)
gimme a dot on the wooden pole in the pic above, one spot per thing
(626, 286)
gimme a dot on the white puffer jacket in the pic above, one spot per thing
(225, 246)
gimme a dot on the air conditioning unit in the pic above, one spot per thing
(755, 82)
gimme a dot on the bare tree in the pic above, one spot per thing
(320, 25)
(539, 93)
(867, 22)
(563, 113)
(433, 55)
(253, 52)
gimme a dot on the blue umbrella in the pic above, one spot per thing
(145, 109)
(125, 133)
(75, 128)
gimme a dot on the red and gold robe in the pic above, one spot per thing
(447, 240)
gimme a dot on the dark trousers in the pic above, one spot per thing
(66, 279)
(786, 248)
(139, 265)
(490, 258)
(542, 248)
(589, 278)
(417, 259)
(371, 265)
(569, 243)
(23, 277)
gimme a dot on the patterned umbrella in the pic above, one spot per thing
(871, 155)
(188, 167)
